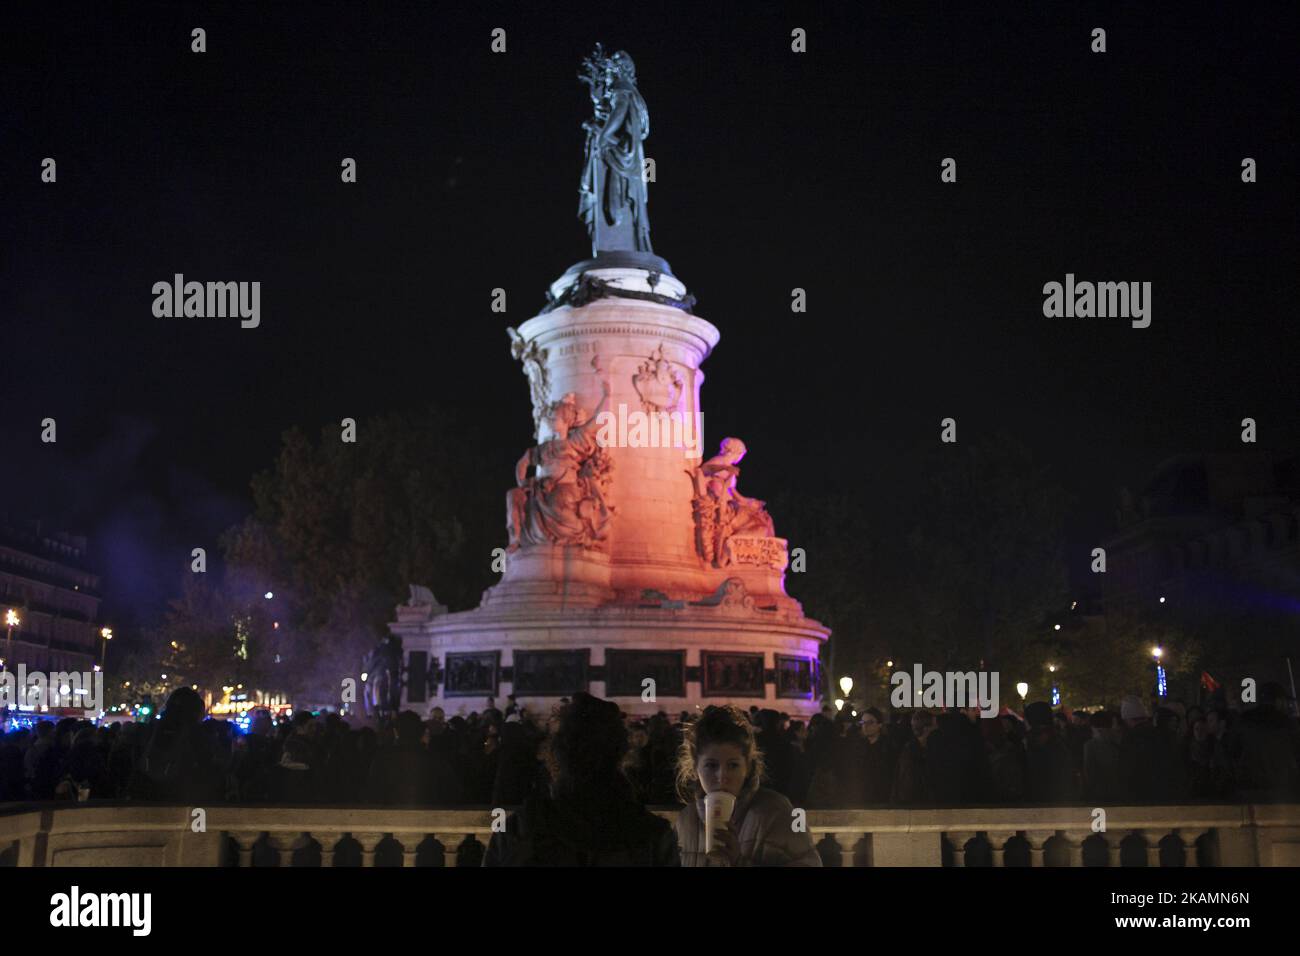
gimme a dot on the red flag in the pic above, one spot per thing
(1208, 682)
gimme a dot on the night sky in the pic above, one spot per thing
(774, 170)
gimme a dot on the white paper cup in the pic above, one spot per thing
(718, 806)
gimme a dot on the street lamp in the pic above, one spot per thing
(846, 685)
(839, 703)
(107, 634)
(11, 620)
(1023, 690)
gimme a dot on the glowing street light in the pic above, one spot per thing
(846, 685)
(11, 619)
(1023, 690)
(268, 595)
(839, 703)
(107, 634)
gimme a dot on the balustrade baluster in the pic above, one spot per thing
(1188, 839)
(245, 841)
(1037, 843)
(1115, 846)
(368, 843)
(958, 840)
(998, 845)
(846, 843)
(1153, 848)
(1074, 839)
(450, 842)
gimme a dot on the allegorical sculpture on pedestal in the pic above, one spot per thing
(730, 528)
(612, 197)
(564, 500)
(633, 554)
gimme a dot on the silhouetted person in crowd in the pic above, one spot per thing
(955, 763)
(1049, 771)
(1103, 782)
(88, 764)
(911, 779)
(41, 763)
(516, 765)
(12, 789)
(1144, 757)
(1265, 750)
(292, 780)
(400, 773)
(879, 760)
(778, 754)
(1210, 765)
(178, 766)
(1006, 759)
(591, 817)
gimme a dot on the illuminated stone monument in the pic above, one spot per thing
(635, 568)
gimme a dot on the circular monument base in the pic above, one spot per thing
(670, 656)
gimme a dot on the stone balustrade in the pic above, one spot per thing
(132, 834)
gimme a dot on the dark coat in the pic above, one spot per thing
(1265, 752)
(401, 775)
(1151, 766)
(957, 771)
(879, 761)
(1049, 769)
(516, 768)
(595, 829)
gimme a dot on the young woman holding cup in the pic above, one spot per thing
(730, 819)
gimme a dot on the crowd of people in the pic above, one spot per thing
(910, 758)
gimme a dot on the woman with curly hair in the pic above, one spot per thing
(719, 753)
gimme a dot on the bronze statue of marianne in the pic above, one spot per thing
(612, 196)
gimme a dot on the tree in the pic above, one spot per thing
(340, 529)
(1108, 658)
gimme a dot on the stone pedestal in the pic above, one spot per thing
(614, 364)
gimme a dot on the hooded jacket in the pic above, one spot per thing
(762, 822)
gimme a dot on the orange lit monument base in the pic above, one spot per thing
(636, 569)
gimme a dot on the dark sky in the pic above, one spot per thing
(774, 170)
